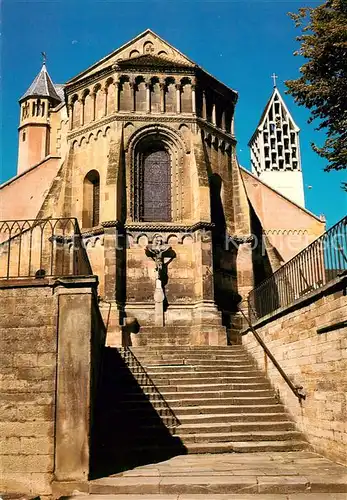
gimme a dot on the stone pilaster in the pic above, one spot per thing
(74, 378)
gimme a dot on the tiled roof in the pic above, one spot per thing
(59, 88)
(42, 86)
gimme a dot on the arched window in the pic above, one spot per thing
(91, 199)
(153, 197)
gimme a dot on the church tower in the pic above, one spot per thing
(34, 126)
(275, 150)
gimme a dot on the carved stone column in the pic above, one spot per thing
(178, 97)
(162, 97)
(116, 85)
(232, 123)
(93, 105)
(133, 91)
(148, 97)
(81, 101)
(70, 116)
(193, 99)
(223, 120)
(214, 114)
(105, 101)
(204, 113)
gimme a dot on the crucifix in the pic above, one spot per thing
(274, 77)
(156, 252)
(44, 57)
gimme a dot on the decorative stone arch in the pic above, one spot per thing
(140, 94)
(143, 142)
(134, 53)
(186, 95)
(126, 98)
(170, 95)
(155, 94)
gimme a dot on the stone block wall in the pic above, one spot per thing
(317, 361)
(51, 339)
(28, 370)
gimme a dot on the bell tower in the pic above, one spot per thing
(275, 149)
(34, 127)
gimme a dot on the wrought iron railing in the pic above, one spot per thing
(145, 381)
(42, 247)
(319, 263)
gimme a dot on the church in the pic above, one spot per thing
(141, 149)
(159, 299)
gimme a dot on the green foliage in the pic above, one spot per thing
(322, 86)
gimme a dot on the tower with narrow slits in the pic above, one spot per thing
(275, 150)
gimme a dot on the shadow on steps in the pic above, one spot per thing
(127, 430)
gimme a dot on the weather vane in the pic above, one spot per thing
(44, 57)
(274, 77)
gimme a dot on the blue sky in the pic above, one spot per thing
(241, 43)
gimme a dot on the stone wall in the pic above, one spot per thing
(317, 361)
(28, 369)
(51, 330)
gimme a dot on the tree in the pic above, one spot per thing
(322, 86)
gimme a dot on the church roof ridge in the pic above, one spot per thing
(42, 86)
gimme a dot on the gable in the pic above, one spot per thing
(147, 43)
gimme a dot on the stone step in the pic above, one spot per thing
(189, 348)
(232, 418)
(215, 409)
(225, 401)
(239, 375)
(243, 387)
(219, 437)
(196, 378)
(276, 486)
(187, 395)
(181, 360)
(214, 367)
(247, 446)
(184, 429)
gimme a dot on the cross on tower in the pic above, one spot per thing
(274, 77)
(44, 57)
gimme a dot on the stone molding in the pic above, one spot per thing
(158, 118)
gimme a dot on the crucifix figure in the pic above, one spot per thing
(157, 251)
(274, 77)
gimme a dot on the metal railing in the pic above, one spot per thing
(144, 380)
(319, 263)
(42, 247)
(297, 390)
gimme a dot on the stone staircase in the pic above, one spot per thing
(162, 401)
(222, 401)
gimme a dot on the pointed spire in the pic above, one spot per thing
(42, 85)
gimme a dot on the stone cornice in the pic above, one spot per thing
(150, 227)
(149, 118)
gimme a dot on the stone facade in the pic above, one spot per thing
(317, 361)
(147, 99)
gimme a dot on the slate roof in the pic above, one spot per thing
(42, 86)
